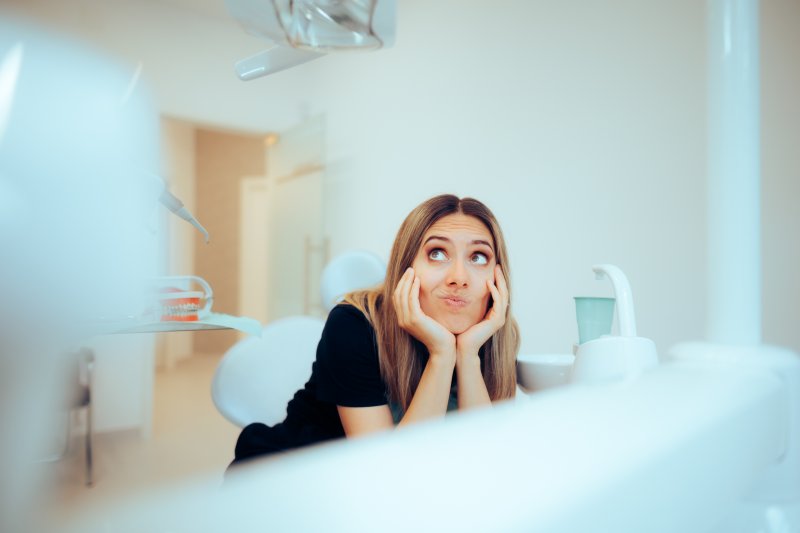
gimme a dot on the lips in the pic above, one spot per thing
(455, 302)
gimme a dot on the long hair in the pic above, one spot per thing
(402, 358)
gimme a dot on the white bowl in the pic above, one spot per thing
(542, 371)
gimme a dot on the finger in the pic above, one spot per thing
(498, 306)
(502, 289)
(399, 297)
(396, 293)
(400, 282)
(500, 277)
(501, 283)
(414, 307)
(408, 293)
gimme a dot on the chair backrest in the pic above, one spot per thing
(257, 377)
(348, 272)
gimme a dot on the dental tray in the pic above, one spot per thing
(208, 321)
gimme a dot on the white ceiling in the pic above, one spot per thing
(212, 8)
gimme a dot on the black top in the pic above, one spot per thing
(346, 372)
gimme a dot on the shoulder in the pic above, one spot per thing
(348, 329)
(344, 320)
(347, 314)
(348, 369)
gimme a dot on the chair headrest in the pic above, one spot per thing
(348, 272)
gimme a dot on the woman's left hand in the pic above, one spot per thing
(470, 341)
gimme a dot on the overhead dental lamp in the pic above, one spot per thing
(302, 30)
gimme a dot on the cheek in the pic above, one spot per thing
(481, 285)
(482, 289)
(425, 281)
(427, 294)
(424, 290)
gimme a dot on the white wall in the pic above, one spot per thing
(780, 139)
(581, 124)
(582, 129)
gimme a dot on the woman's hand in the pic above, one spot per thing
(469, 342)
(439, 341)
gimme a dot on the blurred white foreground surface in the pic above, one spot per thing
(675, 450)
(77, 139)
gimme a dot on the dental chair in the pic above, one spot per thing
(257, 377)
(348, 272)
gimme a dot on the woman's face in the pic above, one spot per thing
(455, 260)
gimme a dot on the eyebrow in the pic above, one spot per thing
(476, 241)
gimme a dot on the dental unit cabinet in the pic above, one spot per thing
(622, 356)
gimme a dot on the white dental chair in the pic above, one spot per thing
(348, 272)
(256, 378)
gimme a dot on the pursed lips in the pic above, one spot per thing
(454, 301)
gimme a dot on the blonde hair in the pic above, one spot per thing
(402, 358)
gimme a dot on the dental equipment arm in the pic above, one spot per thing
(302, 30)
(171, 202)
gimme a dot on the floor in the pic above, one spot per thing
(189, 437)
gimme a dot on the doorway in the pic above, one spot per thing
(284, 248)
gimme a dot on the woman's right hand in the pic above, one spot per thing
(441, 343)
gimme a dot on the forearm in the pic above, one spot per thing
(471, 387)
(433, 392)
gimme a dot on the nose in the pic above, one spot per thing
(457, 274)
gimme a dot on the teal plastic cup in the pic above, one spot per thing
(595, 316)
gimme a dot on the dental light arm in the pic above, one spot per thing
(302, 30)
(272, 60)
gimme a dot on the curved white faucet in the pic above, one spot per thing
(623, 295)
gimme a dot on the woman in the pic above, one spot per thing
(437, 335)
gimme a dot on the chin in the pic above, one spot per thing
(457, 324)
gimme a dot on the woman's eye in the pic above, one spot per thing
(437, 255)
(479, 258)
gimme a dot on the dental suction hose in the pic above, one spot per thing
(623, 295)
